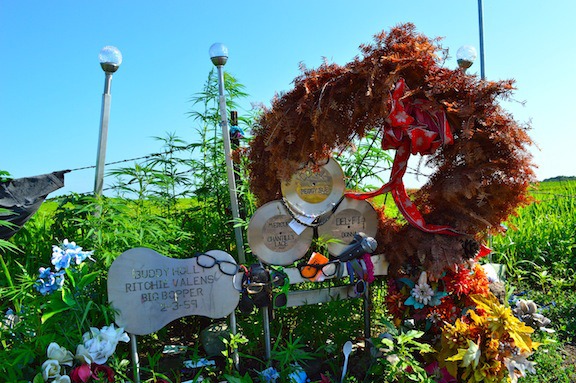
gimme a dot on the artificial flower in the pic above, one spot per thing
(63, 255)
(298, 375)
(61, 379)
(102, 373)
(101, 344)
(269, 375)
(56, 352)
(422, 294)
(48, 281)
(81, 374)
(51, 369)
(440, 374)
(518, 365)
(82, 354)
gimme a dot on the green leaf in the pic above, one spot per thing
(87, 279)
(53, 312)
(68, 297)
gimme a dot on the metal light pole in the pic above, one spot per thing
(481, 33)
(219, 57)
(110, 60)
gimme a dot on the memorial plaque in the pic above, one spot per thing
(352, 216)
(149, 290)
(272, 239)
(314, 192)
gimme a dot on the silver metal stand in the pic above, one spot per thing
(103, 136)
(135, 359)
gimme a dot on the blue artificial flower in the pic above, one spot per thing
(48, 281)
(269, 375)
(60, 258)
(298, 376)
(63, 255)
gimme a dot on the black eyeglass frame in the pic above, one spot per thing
(218, 262)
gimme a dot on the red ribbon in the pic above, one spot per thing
(413, 127)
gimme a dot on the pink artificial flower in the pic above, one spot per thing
(81, 374)
(441, 375)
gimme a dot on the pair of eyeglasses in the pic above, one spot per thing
(207, 261)
(310, 270)
(280, 280)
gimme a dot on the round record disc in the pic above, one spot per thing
(312, 191)
(273, 240)
(351, 216)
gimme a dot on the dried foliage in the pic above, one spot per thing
(480, 179)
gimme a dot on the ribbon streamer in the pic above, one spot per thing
(413, 127)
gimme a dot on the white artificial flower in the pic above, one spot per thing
(422, 292)
(60, 354)
(518, 366)
(101, 344)
(62, 379)
(50, 369)
(82, 355)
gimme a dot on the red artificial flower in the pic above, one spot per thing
(102, 373)
(81, 374)
(441, 375)
(458, 282)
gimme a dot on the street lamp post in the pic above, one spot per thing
(481, 34)
(110, 60)
(219, 56)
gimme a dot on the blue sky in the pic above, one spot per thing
(51, 84)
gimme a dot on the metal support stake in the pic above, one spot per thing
(266, 325)
(103, 136)
(367, 303)
(135, 360)
(229, 165)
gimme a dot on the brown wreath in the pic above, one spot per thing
(481, 178)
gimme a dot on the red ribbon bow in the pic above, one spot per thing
(413, 126)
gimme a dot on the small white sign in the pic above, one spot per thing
(149, 290)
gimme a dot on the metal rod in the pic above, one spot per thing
(135, 360)
(234, 330)
(266, 325)
(229, 165)
(103, 136)
(481, 32)
(367, 304)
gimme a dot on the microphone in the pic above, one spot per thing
(360, 245)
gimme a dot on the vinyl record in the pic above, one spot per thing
(313, 192)
(351, 216)
(272, 238)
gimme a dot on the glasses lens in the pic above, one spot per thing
(360, 287)
(330, 269)
(280, 300)
(206, 261)
(308, 271)
(278, 279)
(228, 268)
